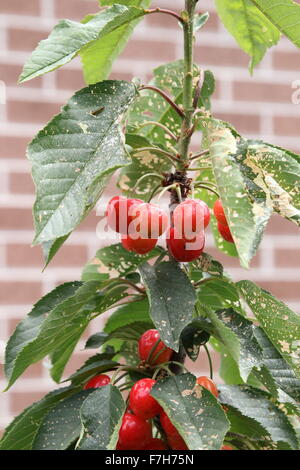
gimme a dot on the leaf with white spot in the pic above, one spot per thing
(193, 410)
(219, 293)
(172, 299)
(101, 417)
(279, 322)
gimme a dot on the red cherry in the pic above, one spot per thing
(160, 354)
(140, 400)
(119, 213)
(149, 221)
(134, 434)
(168, 427)
(219, 212)
(226, 448)
(191, 217)
(97, 381)
(208, 384)
(185, 250)
(156, 444)
(175, 441)
(140, 246)
(225, 232)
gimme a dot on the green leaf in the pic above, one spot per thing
(218, 293)
(246, 219)
(94, 365)
(20, 434)
(285, 15)
(193, 410)
(133, 312)
(245, 426)
(200, 20)
(62, 425)
(193, 337)
(96, 340)
(101, 416)
(279, 322)
(172, 299)
(73, 156)
(254, 404)
(98, 56)
(251, 29)
(115, 259)
(68, 38)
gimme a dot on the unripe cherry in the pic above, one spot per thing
(219, 212)
(225, 232)
(149, 221)
(97, 381)
(141, 402)
(208, 384)
(134, 434)
(161, 353)
(184, 250)
(191, 217)
(140, 246)
(119, 213)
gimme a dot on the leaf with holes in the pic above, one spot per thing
(251, 29)
(254, 403)
(101, 417)
(168, 289)
(279, 322)
(193, 410)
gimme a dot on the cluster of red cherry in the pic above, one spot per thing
(141, 224)
(136, 430)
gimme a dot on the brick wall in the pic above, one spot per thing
(260, 107)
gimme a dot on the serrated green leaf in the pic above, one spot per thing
(93, 366)
(246, 219)
(98, 56)
(62, 425)
(73, 156)
(254, 404)
(193, 410)
(205, 264)
(172, 299)
(101, 416)
(219, 293)
(96, 340)
(20, 434)
(251, 29)
(114, 259)
(193, 337)
(133, 312)
(279, 322)
(68, 38)
(285, 16)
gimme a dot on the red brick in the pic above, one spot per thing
(20, 292)
(15, 218)
(249, 123)
(20, 400)
(77, 10)
(262, 92)
(230, 261)
(286, 60)
(281, 226)
(24, 111)
(24, 39)
(288, 257)
(147, 50)
(221, 56)
(19, 7)
(9, 73)
(69, 79)
(287, 126)
(21, 183)
(13, 147)
(282, 290)
(24, 255)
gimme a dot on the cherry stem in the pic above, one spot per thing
(199, 155)
(167, 188)
(166, 97)
(152, 351)
(147, 175)
(120, 378)
(166, 12)
(211, 374)
(131, 284)
(158, 150)
(200, 168)
(155, 190)
(207, 188)
(158, 124)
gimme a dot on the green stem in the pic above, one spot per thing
(211, 374)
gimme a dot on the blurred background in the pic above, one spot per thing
(260, 107)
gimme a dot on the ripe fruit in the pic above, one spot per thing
(191, 217)
(225, 232)
(149, 221)
(97, 381)
(219, 212)
(134, 434)
(175, 441)
(208, 384)
(156, 444)
(140, 245)
(159, 354)
(184, 250)
(140, 400)
(120, 213)
(226, 448)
